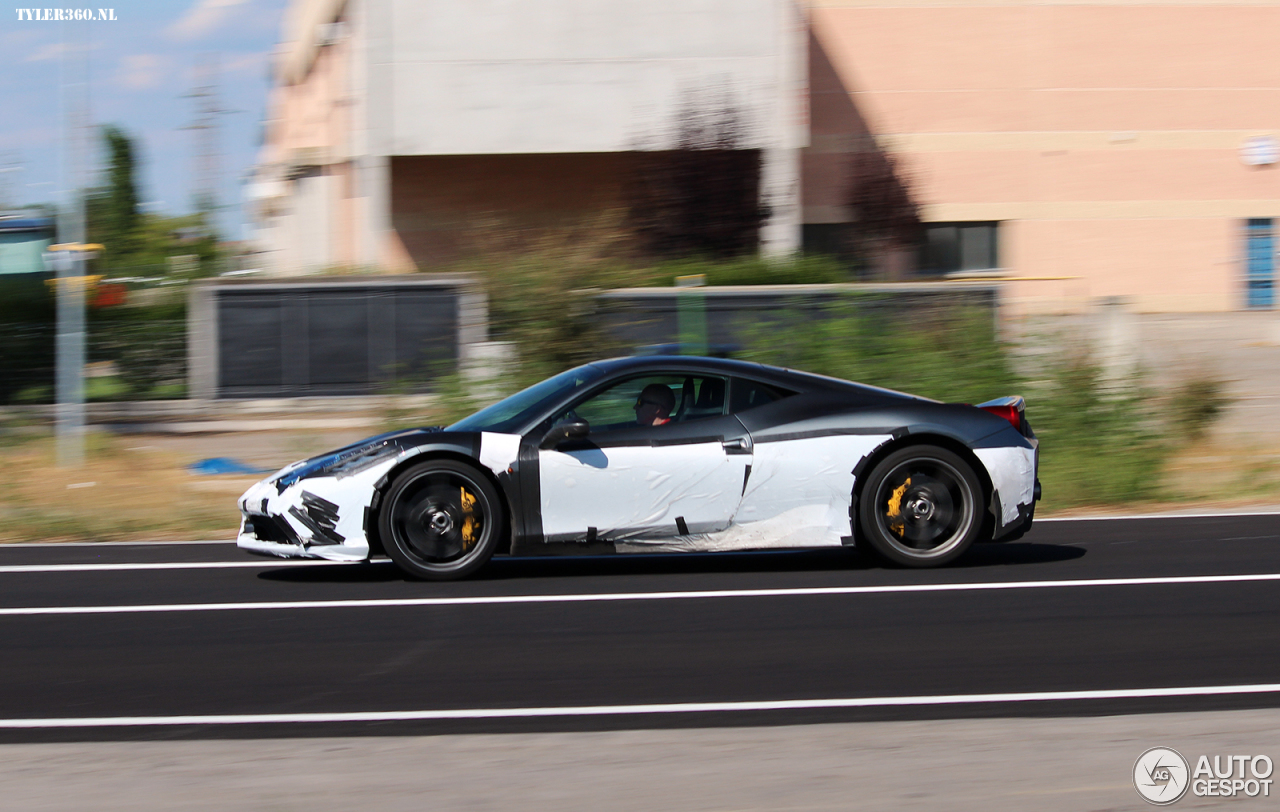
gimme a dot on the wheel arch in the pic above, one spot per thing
(948, 442)
(427, 455)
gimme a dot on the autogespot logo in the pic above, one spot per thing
(1160, 775)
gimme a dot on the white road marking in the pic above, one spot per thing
(8, 544)
(1115, 518)
(169, 565)
(480, 600)
(635, 710)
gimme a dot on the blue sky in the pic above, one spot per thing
(141, 66)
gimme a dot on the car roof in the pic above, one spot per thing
(788, 378)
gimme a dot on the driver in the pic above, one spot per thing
(653, 407)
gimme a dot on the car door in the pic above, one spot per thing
(801, 483)
(629, 481)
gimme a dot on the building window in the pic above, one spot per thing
(1260, 261)
(953, 247)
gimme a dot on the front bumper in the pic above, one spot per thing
(321, 517)
(276, 549)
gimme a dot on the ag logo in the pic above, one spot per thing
(1161, 775)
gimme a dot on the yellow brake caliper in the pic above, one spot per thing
(894, 514)
(469, 519)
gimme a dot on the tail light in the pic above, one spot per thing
(1010, 408)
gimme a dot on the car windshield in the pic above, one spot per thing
(510, 413)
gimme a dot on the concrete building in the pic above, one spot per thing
(1085, 149)
(1127, 148)
(400, 127)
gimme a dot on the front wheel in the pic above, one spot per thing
(919, 507)
(440, 520)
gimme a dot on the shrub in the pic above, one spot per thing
(1195, 404)
(949, 355)
(1102, 441)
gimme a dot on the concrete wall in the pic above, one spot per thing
(510, 76)
(305, 192)
(414, 78)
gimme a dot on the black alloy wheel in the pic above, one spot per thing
(919, 507)
(440, 520)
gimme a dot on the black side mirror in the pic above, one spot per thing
(565, 431)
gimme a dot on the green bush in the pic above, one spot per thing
(1102, 441)
(148, 346)
(948, 355)
(539, 299)
(1196, 404)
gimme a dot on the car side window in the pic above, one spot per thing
(651, 400)
(745, 394)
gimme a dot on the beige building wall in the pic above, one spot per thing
(309, 200)
(1104, 136)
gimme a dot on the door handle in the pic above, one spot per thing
(736, 444)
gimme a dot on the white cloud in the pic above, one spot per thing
(56, 49)
(31, 137)
(15, 38)
(245, 63)
(202, 18)
(51, 51)
(142, 71)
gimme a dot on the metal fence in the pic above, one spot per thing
(729, 317)
(135, 359)
(325, 337)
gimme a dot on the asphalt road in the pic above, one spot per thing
(198, 641)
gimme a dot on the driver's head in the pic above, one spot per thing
(653, 407)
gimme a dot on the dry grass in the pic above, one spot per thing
(1210, 474)
(120, 493)
(1225, 471)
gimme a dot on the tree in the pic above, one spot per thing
(133, 241)
(886, 227)
(114, 218)
(701, 198)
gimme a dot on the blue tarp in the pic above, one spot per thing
(222, 465)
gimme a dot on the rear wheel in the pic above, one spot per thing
(440, 520)
(919, 507)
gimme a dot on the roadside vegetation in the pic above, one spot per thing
(1108, 439)
(123, 491)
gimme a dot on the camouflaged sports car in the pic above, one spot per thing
(664, 454)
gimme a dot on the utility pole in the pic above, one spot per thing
(10, 162)
(208, 155)
(70, 262)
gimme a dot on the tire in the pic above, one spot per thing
(440, 520)
(919, 507)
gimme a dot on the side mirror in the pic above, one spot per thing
(565, 431)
